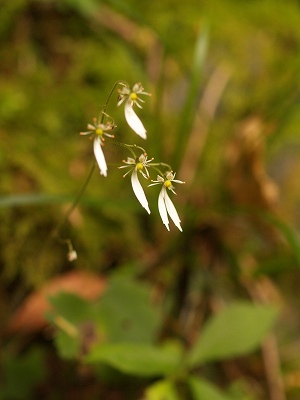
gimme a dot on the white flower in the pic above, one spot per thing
(165, 205)
(138, 165)
(99, 130)
(100, 156)
(72, 255)
(131, 98)
(139, 191)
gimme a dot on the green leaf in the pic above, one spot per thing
(71, 307)
(68, 346)
(69, 316)
(136, 358)
(236, 330)
(126, 313)
(161, 390)
(31, 199)
(203, 390)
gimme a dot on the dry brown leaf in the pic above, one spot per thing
(29, 318)
(246, 175)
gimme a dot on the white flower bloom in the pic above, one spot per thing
(134, 122)
(72, 255)
(165, 207)
(165, 204)
(99, 130)
(100, 156)
(135, 166)
(139, 191)
(131, 98)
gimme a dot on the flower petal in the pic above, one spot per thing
(162, 208)
(100, 156)
(134, 122)
(139, 191)
(172, 210)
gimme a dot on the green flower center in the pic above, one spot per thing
(139, 166)
(133, 96)
(99, 131)
(168, 184)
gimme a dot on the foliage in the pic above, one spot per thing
(234, 331)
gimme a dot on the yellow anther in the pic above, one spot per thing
(133, 96)
(99, 131)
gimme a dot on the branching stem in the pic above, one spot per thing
(56, 232)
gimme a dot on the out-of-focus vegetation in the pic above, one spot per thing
(208, 314)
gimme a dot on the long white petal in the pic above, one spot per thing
(139, 191)
(162, 208)
(100, 156)
(172, 210)
(134, 122)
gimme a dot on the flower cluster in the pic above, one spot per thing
(138, 165)
(165, 206)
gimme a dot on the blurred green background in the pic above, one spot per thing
(224, 112)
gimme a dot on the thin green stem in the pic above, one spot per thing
(155, 165)
(75, 202)
(103, 112)
(166, 165)
(127, 146)
(89, 176)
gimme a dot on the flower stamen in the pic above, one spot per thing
(133, 96)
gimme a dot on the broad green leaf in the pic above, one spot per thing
(203, 390)
(126, 313)
(236, 330)
(161, 390)
(68, 346)
(69, 314)
(136, 358)
(71, 307)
